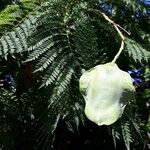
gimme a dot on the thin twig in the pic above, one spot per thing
(122, 45)
(116, 26)
(107, 18)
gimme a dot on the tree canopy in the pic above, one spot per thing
(45, 46)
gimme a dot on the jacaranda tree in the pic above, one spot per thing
(46, 46)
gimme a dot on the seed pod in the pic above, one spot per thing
(106, 90)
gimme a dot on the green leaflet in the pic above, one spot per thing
(106, 90)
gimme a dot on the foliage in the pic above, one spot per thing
(13, 14)
(57, 40)
(4, 3)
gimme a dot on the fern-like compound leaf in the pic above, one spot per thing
(126, 133)
(136, 51)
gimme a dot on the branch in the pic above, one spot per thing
(116, 26)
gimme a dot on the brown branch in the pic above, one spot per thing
(117, 27)
(107, 18)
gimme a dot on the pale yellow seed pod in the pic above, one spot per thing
(106, 90)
